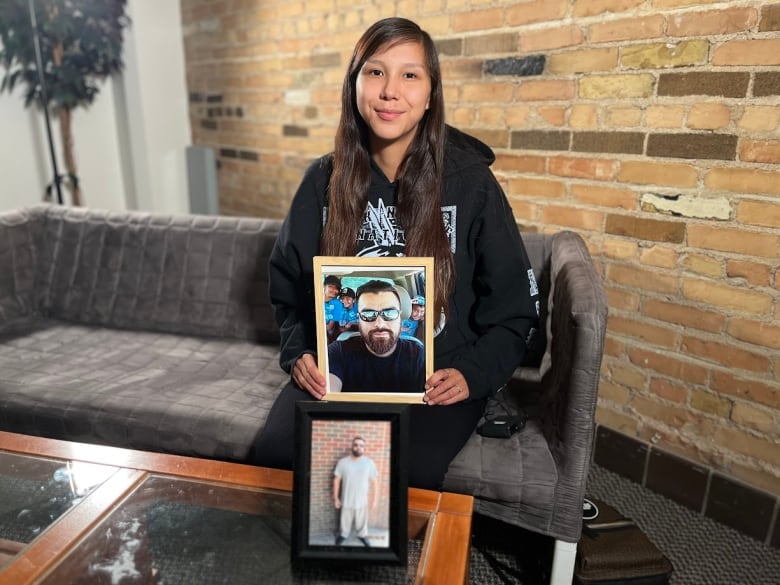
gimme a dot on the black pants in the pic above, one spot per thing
(437, 433)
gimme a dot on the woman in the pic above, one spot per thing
(401, 182)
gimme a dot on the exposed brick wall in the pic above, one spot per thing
(651, 127)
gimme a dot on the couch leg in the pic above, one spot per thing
(563, 563)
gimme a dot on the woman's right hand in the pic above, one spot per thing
(308, 377)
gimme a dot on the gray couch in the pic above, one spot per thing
(137, 330)
(155, 332)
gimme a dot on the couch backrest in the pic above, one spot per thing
(202, 275)
(179, 273)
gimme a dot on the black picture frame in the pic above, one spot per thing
(324, 432)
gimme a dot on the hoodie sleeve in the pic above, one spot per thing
(291, 271)
(503, 313)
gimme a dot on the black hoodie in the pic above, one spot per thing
(493, 310)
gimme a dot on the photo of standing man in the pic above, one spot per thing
(348, 484)
(355, 492)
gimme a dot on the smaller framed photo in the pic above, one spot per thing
(350, 482)
(374, 327)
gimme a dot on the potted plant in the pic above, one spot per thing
(80, 44)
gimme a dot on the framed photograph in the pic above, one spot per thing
(374, 336)
(350, 482)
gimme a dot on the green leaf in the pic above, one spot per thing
(89, 32)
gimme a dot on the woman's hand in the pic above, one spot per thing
(446, 386)
(308, 377)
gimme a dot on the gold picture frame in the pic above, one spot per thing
(411, 278)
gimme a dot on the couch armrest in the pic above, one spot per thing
(576, 329)
(20, 233)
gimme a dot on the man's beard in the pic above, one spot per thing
(383, 345)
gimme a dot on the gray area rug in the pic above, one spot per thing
(257, 550)
(28, 507)
(703, 551)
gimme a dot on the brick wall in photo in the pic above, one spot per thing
(650, 127)
(330, 441)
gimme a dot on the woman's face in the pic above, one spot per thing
(393, 92)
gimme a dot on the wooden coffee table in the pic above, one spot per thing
(76, 512)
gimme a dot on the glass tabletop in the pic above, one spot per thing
(171, 530)
(36, 492)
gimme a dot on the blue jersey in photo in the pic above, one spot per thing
(409, 327)
(334, 311)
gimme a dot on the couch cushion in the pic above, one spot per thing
(517, 473)
(197, 396)
(502, 469)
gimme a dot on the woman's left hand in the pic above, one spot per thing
(446, 386)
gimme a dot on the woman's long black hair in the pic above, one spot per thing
(420, 173)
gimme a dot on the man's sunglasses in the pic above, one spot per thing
(370, 315)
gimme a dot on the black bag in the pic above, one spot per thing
(613, 550)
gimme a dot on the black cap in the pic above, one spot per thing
(347, 292)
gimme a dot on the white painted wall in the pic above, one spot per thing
(25, 162)
(154, 95)
(130, 144)
(24, 170)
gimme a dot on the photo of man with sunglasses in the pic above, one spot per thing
(379, 360)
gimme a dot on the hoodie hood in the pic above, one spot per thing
(463, 151)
